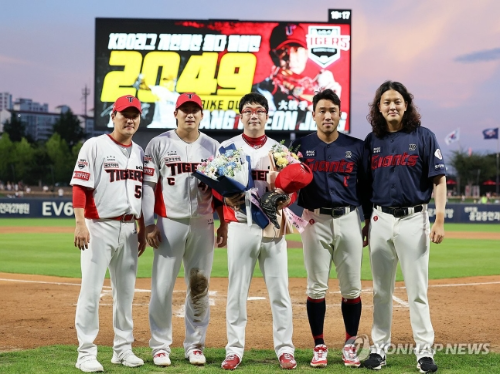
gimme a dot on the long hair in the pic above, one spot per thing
(411, 118)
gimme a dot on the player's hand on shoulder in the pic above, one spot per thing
(153, 236)
(82, 236)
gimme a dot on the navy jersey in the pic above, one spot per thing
(336, 167)
(402, 166)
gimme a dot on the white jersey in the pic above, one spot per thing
(104, 166)
(260, 163)
(170, 161)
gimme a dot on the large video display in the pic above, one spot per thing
(157, 59)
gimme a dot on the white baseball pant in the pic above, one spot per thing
(114, 245)
(245, 245)
(405, 239)
(333, 239)
(189, 241)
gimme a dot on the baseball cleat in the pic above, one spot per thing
(161, 359)
(319, 358)
(374, 362)
(427, 365)
(196, 357)
(231, 362)
(89, 366)
(129, 359)
(287, 361)
(350, 356)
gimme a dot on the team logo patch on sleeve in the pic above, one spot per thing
(82, 164)
(438, 154)
(81, 175)
(149, 171)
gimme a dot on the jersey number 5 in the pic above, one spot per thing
(138, 192)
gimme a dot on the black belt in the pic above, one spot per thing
(337, 211)
(400, 211)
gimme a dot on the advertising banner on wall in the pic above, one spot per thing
(157, 59)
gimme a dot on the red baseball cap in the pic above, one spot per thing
(188, 97)
(125, 102)
(285, 34)
(294, 177)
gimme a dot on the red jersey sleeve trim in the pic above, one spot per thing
(79, 197)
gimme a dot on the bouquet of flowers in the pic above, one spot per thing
(282, 156)
(229, 174)
(288, 175)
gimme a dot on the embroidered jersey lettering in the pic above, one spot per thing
(401, 167)
(103, 167)
(335, 167)
(170, 162)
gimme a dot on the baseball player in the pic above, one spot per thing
(334, 231)
(184, 232)
(405, 166)
(287, 81)
(107, 193)
(242, 255)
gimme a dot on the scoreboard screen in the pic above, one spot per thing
(221, 60)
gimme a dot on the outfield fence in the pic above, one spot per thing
(63, 208)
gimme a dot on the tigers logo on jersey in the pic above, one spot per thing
(82, 164)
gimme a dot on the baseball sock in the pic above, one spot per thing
(351, 311)
(316, 309)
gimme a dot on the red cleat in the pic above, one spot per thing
(287, 361)
(231, 362)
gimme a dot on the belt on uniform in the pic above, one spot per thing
(337, 211)
(125, 218)
(400, 211)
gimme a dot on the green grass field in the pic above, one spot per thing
(61, 359)
(54, 254)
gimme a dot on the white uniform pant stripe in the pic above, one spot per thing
(246, 246)
(113, 244)
(407, 240)
(336, 240)
(189, 241)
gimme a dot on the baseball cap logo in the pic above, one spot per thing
(290, 29)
